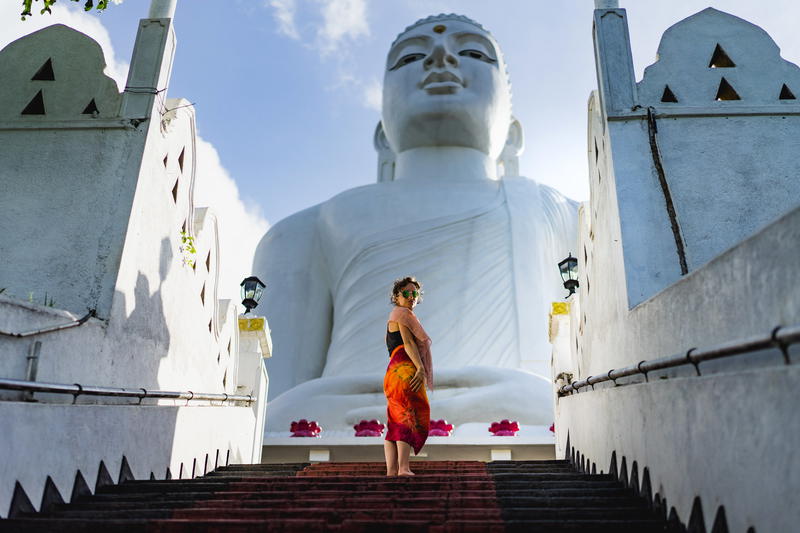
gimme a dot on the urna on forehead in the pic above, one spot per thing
(439, 23)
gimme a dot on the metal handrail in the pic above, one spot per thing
(77, 389)
(781, 337)
(50, 329)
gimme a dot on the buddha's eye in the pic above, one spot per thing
(406, 59)
(477, 54)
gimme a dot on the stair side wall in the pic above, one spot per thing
(68, 438)
(160, 326)
(726, 436)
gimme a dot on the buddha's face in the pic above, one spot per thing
(445, 85)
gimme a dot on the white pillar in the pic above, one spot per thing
(614, 60)
(162, 9)
(151, 67)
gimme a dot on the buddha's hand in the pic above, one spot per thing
(418, 380)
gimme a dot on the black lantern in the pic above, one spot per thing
(569, 273)
(252, 289)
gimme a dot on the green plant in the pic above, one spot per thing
(49, 302)
(27, 5)
(187, 250)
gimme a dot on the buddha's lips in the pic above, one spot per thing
(441, 77)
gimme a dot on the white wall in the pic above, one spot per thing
(43, 440)
(71, 215)
(727, 436)
(96, 222)
(730, 166)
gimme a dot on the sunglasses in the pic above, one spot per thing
(407, 294)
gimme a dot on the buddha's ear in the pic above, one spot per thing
(386, 157)
(508, 162)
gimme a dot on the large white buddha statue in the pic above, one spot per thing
(449, 209)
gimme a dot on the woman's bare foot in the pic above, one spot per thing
(390, 474)
(406, 473)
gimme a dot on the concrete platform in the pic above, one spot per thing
(372, 451)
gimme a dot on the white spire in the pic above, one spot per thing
(162, 9)
(602, 4)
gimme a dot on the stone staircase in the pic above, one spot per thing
(463, 496)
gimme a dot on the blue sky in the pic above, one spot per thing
(287, 91)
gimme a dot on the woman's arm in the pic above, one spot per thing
(409, 343)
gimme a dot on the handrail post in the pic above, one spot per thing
(33, 367)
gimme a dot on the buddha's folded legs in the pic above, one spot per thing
(463, 395)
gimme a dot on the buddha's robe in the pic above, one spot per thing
(485, 251)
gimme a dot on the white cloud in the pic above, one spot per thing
(373, 95)
(341, 19)
(12, 28)
(336, 20)
(333, 25)
(284, 14)
(241, 226)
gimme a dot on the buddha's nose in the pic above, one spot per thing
(440, 57)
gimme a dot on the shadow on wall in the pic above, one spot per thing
(117, 436)
(142, 338)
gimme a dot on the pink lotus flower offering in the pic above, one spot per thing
(369, 428)
(440, 428)
(504, 428)
(304, 428)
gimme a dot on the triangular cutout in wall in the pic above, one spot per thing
(35, 106)
(45, 72)
(125, 473)
(668, 96)
(50, 497)
(79, 488)
(696, 520)
(91, 108)
(103, 477)
(726, 91)
(720, 524)
(720, 59)
(20, 503)
(786, 93)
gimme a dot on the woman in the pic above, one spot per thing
(408, 373)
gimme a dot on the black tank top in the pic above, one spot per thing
(393, 340)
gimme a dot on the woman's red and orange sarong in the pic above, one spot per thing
(408, 412)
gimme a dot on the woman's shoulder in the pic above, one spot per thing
(400, 311)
